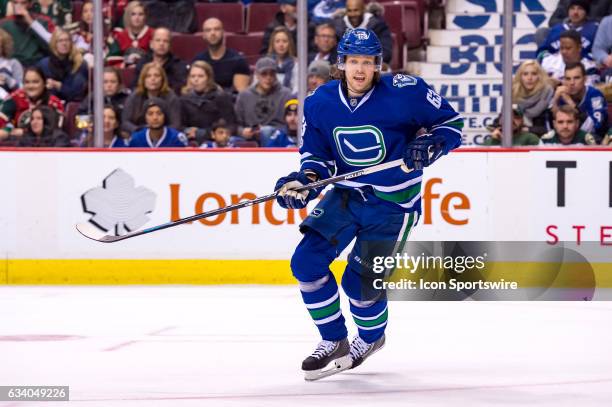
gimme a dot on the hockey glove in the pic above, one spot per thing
(288, 198)
(423, 151)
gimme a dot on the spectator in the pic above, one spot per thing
(157, 133)
(221, 133)
(598, 10)
(231, 69)
(356, 16)
(17, 109)
(177, 15)
(176, 70)
(152, 82)
(569, 53)
(11, 71)
(30, 32)
(82, 37)
(587, 99)
(204, 102)
(115, 94)
(520, 135)
(532, 92)
(260, 108)
(602, 47)
(325, 42)
(286, 17)
(287, 135)
(66, 72)
(135, 37)
(607, 141)
(319, 72)
(576, 21)
(326, 10)
(282, 50)
(112, 137)
(59, 11)
(43, 130)
(567, 129)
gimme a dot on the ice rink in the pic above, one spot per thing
(243, 346)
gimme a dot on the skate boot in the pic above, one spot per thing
(361, 350)
(315, 365)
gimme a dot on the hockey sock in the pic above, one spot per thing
(322, 300)
(370, 318)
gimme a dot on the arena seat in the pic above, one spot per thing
(128, 76)
(77, 8)
(259, 15)
(70, 113)
(231, 14)
(248, 44)
(403, 19)
(187, 46)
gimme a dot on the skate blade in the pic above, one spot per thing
(337, 366)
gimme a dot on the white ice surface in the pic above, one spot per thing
(243, 346)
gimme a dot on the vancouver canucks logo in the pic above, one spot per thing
(362, 35)
(401, 80)
(360, 145)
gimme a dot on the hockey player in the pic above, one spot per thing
(361, 120)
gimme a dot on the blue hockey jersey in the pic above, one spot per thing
(552, 43)
(170, 138)
(341, 135)
(594, 109)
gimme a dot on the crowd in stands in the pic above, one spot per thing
(561, 98)
(219, 97)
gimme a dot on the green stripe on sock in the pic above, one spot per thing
(325, 311)
(372, 322)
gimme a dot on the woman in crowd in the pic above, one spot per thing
(16, 110)
(115, 94)
(203, 102)
(135, 36)
(11, 71)
(82, 38)
(152, 82)
(282, 50)
(66, 71)
(112, 137)
(43, 130)
(532, 92)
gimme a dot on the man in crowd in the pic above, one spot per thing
(570, 53)
(520, 136)
(157, 133)
(287, 135)
(30, 32)
(176, 70)
(318, 74)
(231, 69)
(357, 17)
(567, 129)
(260, 108)
(588, 100)
(287, 17)
(325, 42)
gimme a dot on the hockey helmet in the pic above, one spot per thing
(359, 41)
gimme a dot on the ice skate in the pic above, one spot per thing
(316, 367)
(361, 350)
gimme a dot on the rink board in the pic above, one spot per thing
(253, 245)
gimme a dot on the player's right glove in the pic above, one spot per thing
(288, 198)
(424, 150)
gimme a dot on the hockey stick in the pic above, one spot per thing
(91, 231)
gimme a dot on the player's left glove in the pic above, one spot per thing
(289, 198)
(424, 150)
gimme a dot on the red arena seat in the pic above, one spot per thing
(249, 45)
(231, 14)
(187, 46)
(259, 15)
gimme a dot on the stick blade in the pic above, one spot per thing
(92, 232)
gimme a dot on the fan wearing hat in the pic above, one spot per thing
(286, 136)
(318, 73)
(577, 19)
(520, 136)
(157, 133)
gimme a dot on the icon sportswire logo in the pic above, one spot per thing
(118, 206)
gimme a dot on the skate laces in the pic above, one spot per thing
(358, 347)
(324, 348)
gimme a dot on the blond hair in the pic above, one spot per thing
(277, 31)
(210, 74)
(6, 42)
(127, 14)
(518, 90)
(140, 87)
(74, 55)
